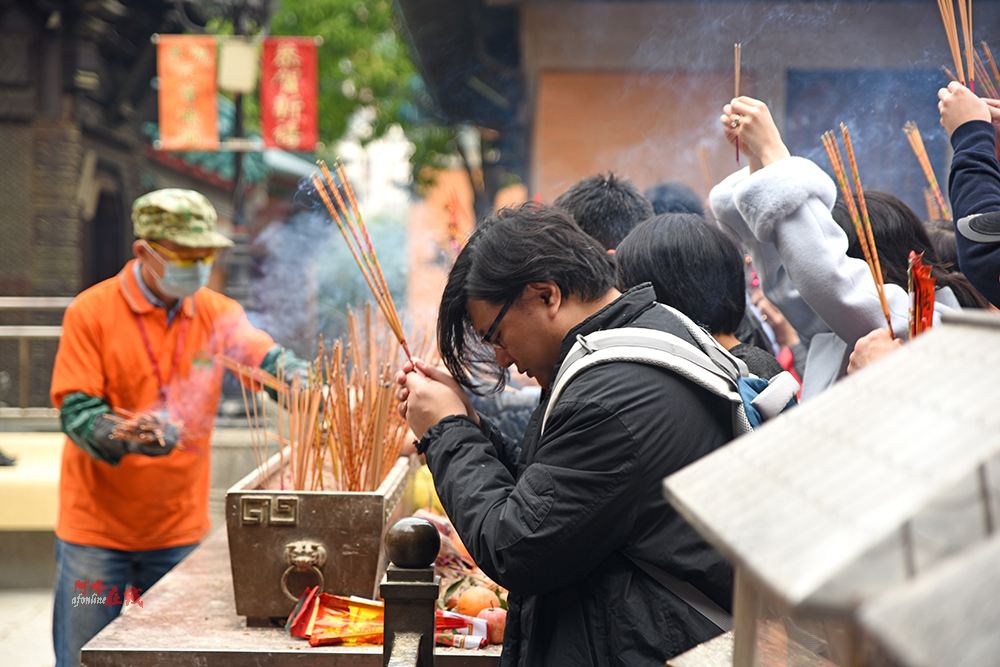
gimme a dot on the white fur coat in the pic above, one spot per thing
(782, 214)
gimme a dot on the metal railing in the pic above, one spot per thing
(24, 335)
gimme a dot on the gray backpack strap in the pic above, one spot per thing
(709, 345)
(690, 594)
(651, 347)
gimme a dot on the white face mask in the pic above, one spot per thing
(180, 281)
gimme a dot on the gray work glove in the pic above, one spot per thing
(113, 450)
(153, 448)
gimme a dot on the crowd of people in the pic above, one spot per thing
(656, 331)
(770, 281)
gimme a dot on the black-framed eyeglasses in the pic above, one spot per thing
(488, 336)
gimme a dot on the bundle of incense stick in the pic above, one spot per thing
(254, 380)
(138, 426)
(857, 209)
(737, 57)
(352, 227)
(989, 86)
(917, 144)
(141, 428)
(955, 44)
(336, 430)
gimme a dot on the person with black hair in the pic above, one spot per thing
(606, 207)
(897, 230)
(697, 269)
(784, 205)
(575, 526)
(674, 197)
(942, 236)
(974, 184)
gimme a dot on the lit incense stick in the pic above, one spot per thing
(737, 53)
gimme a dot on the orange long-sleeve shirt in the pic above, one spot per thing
(146, 502)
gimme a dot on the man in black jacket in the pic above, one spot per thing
(575, 525)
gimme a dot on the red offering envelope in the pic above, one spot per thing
(304, 611)
(346, 621)
(326, 619)
(922, 289)
(335, 620)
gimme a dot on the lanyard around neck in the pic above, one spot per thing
(176, 362)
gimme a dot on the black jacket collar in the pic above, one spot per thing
(619, 313)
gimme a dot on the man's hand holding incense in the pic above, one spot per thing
(147, 434)
(427, 395)
(959, 105)
(750, 121)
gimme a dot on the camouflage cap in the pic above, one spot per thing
(184, 217)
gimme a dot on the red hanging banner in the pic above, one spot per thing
(185, 67)
(288, 93)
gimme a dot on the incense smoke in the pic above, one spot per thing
(816, 64)
(306, 278)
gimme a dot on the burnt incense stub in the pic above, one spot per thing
(412, 543)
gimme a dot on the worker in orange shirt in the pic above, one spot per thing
(132, 505)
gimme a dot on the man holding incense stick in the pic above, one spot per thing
(137, 388)
(576, 528)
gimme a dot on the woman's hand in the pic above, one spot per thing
(750, 121)
(427, 395)
(871, 348)
(959, 105)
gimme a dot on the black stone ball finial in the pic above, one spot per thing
(412, 543)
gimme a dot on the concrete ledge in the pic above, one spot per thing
(29, 490)
(27, 559)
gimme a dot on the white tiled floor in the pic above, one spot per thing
(26, 627)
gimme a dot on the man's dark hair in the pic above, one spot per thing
(606, 207)
(693, 266)
(516, 246)
(674, 197)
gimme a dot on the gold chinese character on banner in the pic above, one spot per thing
(287, 55)
(288, 81)
(187, 104)
(288, 134)
(288, 107)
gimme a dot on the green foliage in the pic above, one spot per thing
(364, 64)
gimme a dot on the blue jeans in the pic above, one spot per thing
(91, 585)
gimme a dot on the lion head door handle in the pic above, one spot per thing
(303, 556)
